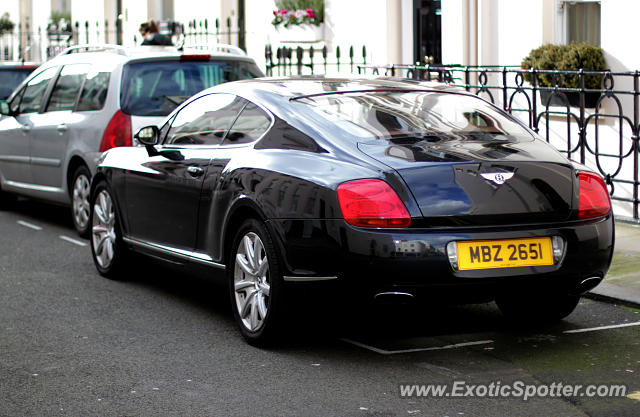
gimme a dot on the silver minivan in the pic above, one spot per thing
(87, 100)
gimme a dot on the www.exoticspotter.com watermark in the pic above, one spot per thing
(517, 389)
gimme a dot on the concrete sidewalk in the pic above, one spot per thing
(622, 283)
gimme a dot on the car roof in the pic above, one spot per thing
(151, 52)
(302, 86)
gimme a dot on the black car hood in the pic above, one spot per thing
(481, 182)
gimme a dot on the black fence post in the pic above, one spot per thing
(206, 32)
(338, 58)
(467, 79)
(364, 55)
(217, 30)
(504, 89)
(229, 30)
(106, 31)
(636, 150)
(26, 49)
(351, 58)
(582, 128)
(534, 98)
(325, 52)
(311, 52)
(299, 57)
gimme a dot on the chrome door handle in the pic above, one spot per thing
(62, 128)
(195, 171)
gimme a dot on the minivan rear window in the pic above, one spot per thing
(156, 88)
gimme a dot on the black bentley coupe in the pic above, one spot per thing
(396, 189)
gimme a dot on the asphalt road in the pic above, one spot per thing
(164, 343)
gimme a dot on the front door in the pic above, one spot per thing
(51, 128)
(16, 131)
(427, 32)
(163, 194)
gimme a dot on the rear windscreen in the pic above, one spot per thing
(10, 79)
(415, 115)
(156, 88)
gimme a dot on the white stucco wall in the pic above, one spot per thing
(520, 29)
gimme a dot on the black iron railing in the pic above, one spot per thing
(285, 60)
(41, 43)
(599, 127)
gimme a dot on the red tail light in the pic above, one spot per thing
(372, 203)
(594, 198)
(117, 133)
(195, 57)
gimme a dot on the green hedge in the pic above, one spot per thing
(566, 57)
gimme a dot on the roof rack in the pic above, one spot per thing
(95, 48)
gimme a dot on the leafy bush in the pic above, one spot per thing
(566, 57)
(6, 25)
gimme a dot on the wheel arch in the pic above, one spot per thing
(243, 209)
(74, 163)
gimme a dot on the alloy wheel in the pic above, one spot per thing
(81, 205)
(251, 282)
(103, 233)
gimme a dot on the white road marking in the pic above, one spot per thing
(29, 225)
(74, 241)
(394, 352)
(593, 329)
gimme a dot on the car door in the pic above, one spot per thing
(162, 199)
(15, 131)
(252, 123)
(51, 128)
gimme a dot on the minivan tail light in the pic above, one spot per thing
(117, 132)
(372, 203)
(594, 199)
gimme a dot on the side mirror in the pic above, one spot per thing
(148, 136)
(5, 109)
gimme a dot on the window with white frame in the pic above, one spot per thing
(581, 21)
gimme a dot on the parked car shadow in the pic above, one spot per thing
(37, 211)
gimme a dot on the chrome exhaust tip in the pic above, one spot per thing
(394, 297)
(587, 284)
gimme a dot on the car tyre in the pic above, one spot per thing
(537, 310)
(255, 284)
(7, 200)
(108, 250)
(80, 204)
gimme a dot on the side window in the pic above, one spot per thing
(205, 121)
(249, 126)
(63, 96)
(164, 129)
(17, 99)
(34, 92)
(94, 91)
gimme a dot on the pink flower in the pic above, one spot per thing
(283, 12)
(310, 13)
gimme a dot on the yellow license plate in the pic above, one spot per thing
(506, 253)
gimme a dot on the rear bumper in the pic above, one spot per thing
(415, 260)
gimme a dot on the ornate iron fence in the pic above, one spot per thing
(598, 127)
(286, 60)
(26, 43)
